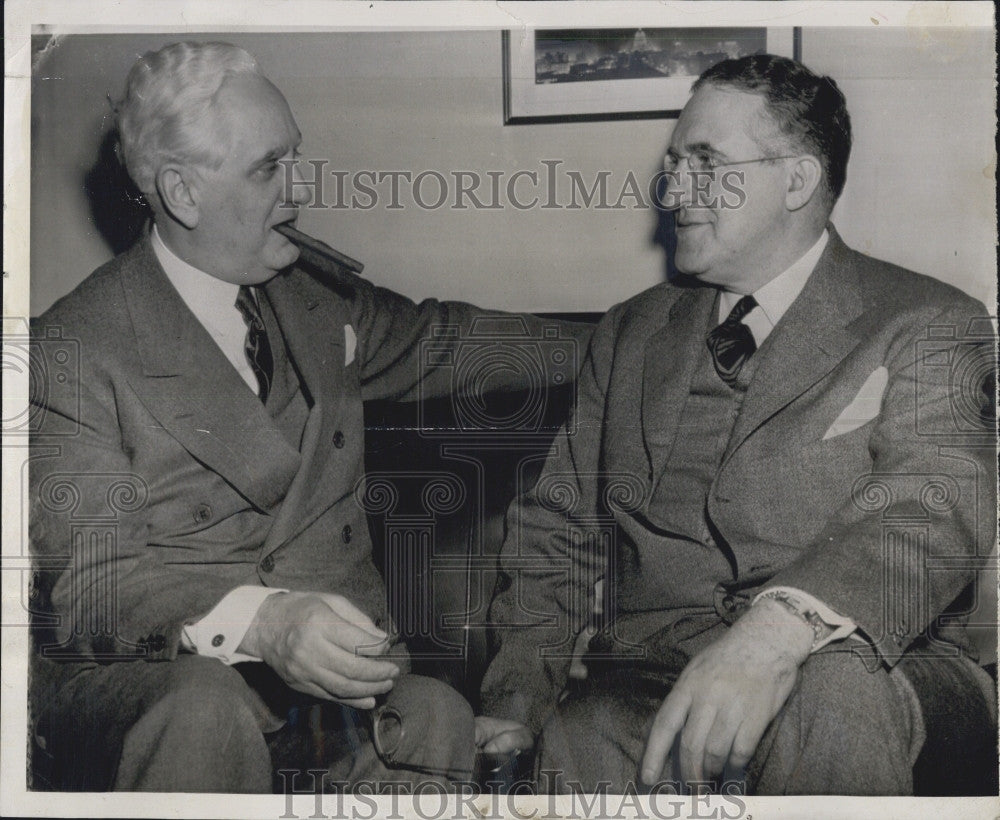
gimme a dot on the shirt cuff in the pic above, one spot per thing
(828, 626)
(219, 633)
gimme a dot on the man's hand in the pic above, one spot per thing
(323, 645)
(496, 736)
(728, 693)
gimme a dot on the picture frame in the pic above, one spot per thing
(586, 75)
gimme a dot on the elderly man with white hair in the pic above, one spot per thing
(222, 384)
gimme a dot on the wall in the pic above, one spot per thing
(920, 190)
(921, 182)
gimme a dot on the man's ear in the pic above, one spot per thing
(803, 180)
(177, 189)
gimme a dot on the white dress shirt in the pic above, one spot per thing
(775, 297)
(213, 302)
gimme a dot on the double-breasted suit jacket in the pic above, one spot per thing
(883, 518)
(158, 436)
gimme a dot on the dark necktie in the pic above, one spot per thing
(256, 346)
(732, 343)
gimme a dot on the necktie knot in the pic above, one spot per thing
(732, 343)
(256, 345)
(741, 309)
(247, 306)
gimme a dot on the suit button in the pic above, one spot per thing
(339, 439)
(202, 513)
(267, 565)
(346, 533)
(729, 603)
(218, 640)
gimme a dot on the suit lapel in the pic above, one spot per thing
(195, 393)
(806, 344)
(315, 345)
(668, 366)
(314, 340)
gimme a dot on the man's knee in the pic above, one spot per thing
(208, 694)
(845, 692)
(200, 731)
(99, 709)
(846, 728)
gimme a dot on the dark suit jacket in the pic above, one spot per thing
(160, 482)
(884, 523)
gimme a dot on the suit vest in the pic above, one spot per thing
(703, 431)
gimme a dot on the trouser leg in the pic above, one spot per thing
(958, 705)
(194, 724)
(845, 729)
(205, 734)
(594, 740)
(191, 724)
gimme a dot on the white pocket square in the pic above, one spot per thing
(350, 344)
(866, 405)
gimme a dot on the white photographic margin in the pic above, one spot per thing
(22, 18)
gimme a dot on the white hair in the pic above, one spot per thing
(168, 96)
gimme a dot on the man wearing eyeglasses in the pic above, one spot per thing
(772, 481)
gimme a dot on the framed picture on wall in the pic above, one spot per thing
(579, 75)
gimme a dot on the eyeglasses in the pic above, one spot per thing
(387, 735)
(703, 161)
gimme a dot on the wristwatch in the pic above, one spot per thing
(827, 625)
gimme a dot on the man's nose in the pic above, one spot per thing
(677, 189)
(688, 189)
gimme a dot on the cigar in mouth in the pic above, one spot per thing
(319, 248)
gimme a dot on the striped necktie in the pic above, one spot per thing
(256, 346)
(732, 343)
